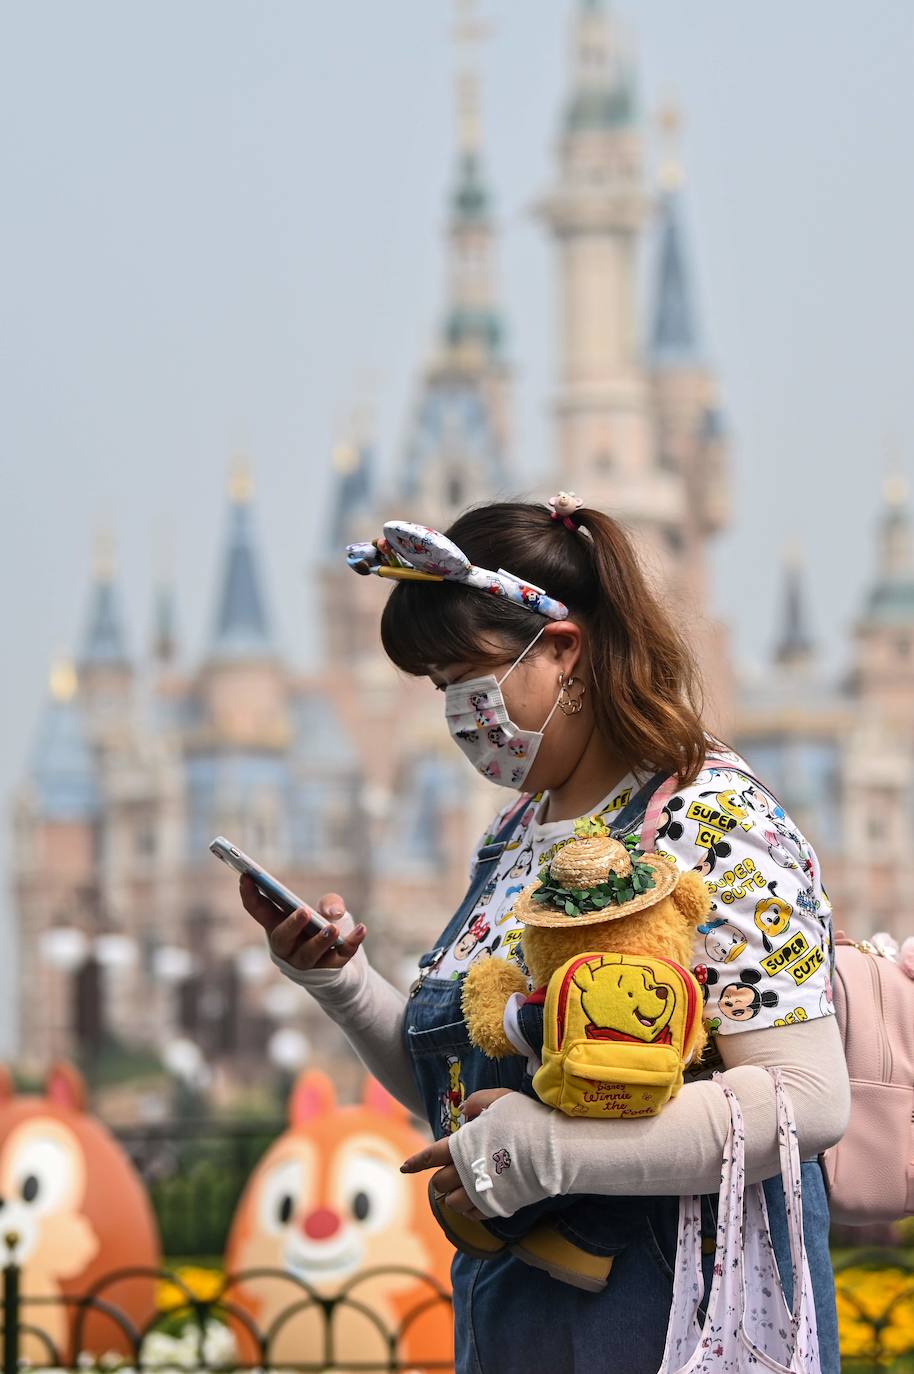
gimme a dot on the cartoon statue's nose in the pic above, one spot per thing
(662, 993)
(321, 1223)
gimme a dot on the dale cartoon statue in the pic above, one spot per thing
(328, 1205)
(73, 1211)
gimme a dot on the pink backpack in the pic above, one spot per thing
(870, 1171)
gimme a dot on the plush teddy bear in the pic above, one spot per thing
(608, 939)
(658, 921)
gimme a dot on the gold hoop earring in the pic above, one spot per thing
(568, 704)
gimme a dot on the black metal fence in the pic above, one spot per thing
(310, 1332)
(342, 1332)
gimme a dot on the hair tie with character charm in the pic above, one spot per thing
(564, 506)
(419, 553)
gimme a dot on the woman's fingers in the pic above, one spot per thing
(458, 1201)
(446, 1180)
(288, 937)
(432, 1157)
(447, 1183)
(256, 904)
(331, 906)
(334, 958)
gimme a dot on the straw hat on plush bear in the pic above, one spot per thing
(583, 873)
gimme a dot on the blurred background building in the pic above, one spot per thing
(132, 935)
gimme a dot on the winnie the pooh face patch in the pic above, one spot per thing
(624, 998)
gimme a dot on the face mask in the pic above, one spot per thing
(478, 720)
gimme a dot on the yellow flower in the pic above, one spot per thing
(590, 825)
(204, 1284)
(875, 1312)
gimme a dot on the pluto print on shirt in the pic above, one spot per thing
(764, 956)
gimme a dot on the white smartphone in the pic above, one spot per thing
(274, 891)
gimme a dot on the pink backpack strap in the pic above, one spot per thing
(658, 801)
(515, 810)
(651, 823)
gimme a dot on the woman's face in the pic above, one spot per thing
(530, 692)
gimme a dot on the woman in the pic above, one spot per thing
(593, 691)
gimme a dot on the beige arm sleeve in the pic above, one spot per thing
(369, 1011)
(679, 1150)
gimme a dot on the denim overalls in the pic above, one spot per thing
(510, 1318)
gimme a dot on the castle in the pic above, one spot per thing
(346, 780)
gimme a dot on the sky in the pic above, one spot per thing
(222, 228)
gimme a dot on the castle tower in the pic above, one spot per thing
(597, 212)
(457, 448)
(458, 435)
(795, 651)
(104, 668)
(882, 678)
(164, 630)
(640, 433)
(56, 815)
(350, 604)
(240, 685)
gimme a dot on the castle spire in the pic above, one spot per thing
(458, 439)
(104, 643)
(164, 632)
(242, 628)
(895, 548)
(164, 617)
(473, 328)
(353, 490)
(603, 91)
(674, 339)
(795, 647)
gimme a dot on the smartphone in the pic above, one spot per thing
(284, 900)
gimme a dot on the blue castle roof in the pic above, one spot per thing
(675, 337)
(61, 764)
(242, 628)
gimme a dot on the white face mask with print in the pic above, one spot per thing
(478, 720)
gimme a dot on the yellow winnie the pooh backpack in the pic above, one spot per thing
(618, 1031)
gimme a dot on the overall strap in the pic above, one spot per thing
(632, 815)
(496, 845)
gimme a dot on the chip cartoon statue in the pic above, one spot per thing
(327, 1207)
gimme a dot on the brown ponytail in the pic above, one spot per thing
(646, 692)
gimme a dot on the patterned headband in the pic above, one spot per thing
(421, 554)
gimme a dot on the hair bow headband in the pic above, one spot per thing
(419, 553)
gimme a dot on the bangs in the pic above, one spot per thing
(428, 625)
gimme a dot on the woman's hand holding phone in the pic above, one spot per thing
(286, 934)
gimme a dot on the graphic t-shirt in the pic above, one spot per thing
(764, 956)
